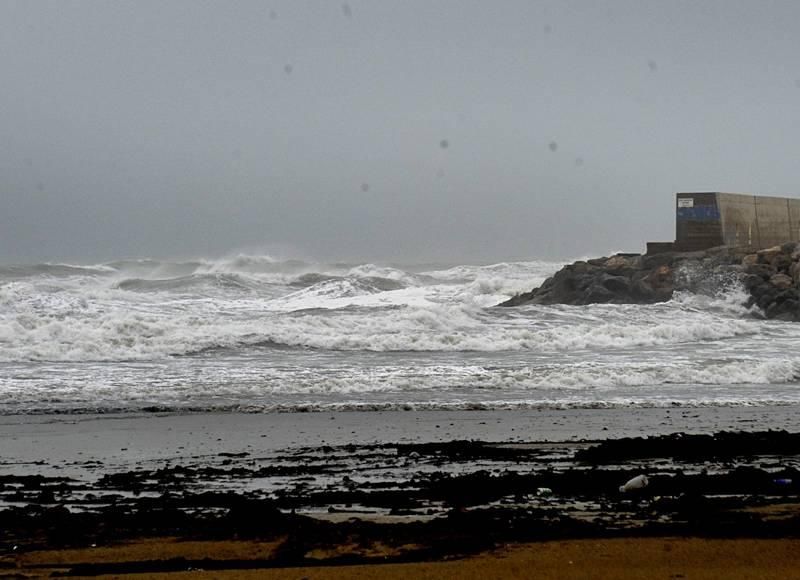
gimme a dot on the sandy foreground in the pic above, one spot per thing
(404, 495)
(644, 558)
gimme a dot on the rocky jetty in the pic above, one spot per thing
(771, 276)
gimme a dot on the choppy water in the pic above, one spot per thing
(253, 333)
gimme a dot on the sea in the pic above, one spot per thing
(257, 334)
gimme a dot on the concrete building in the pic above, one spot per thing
(708, 219)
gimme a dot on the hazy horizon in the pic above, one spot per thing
(400, 132)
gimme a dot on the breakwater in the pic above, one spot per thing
(771, 277)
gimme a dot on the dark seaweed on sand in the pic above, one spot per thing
(680, 446)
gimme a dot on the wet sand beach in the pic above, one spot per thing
(437, 493)
(36, 442)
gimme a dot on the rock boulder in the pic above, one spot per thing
(771, 276)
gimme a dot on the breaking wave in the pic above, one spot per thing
(146, 309)
(70, 327)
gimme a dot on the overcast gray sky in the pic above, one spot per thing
(406, 131)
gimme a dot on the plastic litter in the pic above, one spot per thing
(636, 483)
(544, 491)
(783, 481)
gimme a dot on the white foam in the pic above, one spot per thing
(260, 382)
(448, 310)
(113, 324)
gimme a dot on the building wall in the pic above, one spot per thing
(697, 221)
(758, 221)
(794, 219)
(708, 219)
(772, 214)
(739, 223)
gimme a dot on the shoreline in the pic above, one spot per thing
(39, 441)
